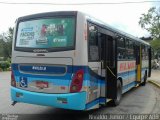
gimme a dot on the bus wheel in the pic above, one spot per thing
(145, 79)
(119, 94)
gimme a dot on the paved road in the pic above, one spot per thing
(155, 75)
(138, 100)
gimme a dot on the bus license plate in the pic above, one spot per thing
(41, 84)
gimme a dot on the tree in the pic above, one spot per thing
(155, 45)
(151, 22)
(6, 43)
(1, 46)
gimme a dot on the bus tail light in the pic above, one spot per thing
(13, 81)
(77, 81)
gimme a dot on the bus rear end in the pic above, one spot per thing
(43, 62)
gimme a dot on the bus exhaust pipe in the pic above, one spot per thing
(13, 103)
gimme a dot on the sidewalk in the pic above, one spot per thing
(155, 76)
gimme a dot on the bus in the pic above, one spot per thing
(70, 60)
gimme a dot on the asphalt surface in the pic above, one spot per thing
(139, 100)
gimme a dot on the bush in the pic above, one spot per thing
(4, 65)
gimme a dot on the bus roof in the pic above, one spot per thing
(47, 14)
(113, 29)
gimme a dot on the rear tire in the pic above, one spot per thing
(117, 101)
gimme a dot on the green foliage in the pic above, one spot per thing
(1, 46)
(156, 45)
(151, 22)
(6, 44)
(4, 65)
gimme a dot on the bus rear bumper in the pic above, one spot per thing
(75, 101)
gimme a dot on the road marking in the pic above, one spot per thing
(155, 83)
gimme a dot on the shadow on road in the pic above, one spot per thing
(59, 114)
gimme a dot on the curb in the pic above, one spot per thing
(154, 82)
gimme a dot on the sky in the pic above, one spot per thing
(124, 17)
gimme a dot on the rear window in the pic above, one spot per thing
(52, 33)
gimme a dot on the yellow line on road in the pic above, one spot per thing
(154, 82)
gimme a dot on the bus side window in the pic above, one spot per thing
(144, 52)
(121, 48)
(93, 43)
(130, 50)
(147, 55)
(127, 48)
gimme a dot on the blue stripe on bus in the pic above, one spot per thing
(70, 68)
(128, 73)
(92, 103)
(102, 99)
(66, 79)
(130, 85)
(58, 80)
